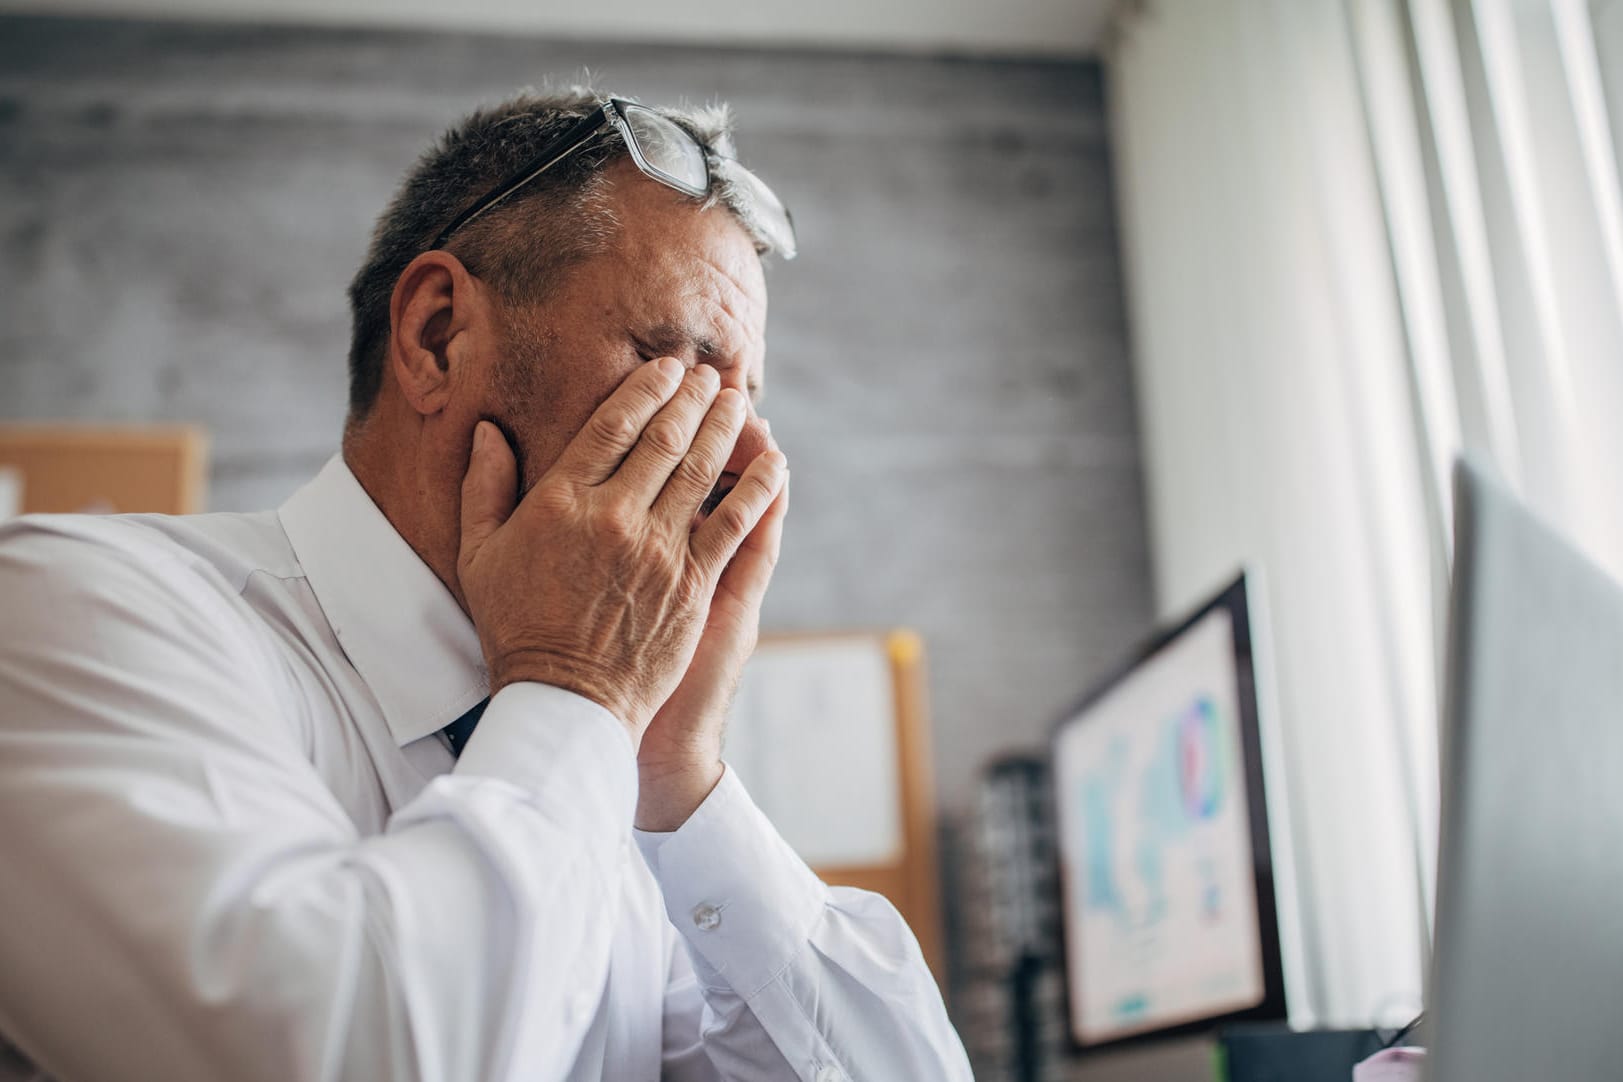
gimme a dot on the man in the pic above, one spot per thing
(350, 790)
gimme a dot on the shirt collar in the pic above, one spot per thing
(398, 624)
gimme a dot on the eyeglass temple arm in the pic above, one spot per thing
(550, 155)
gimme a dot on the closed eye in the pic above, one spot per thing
(679, 346)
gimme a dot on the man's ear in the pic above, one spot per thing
(429, 318)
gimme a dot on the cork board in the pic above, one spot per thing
(70, 468)
(858, 804)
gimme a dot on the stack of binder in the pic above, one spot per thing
(1011, 995)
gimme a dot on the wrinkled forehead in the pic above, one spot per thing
(681, 263)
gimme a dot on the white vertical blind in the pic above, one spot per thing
(1273, 387)
(1363, 236)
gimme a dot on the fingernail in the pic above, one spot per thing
(479, 437)
(670, 368)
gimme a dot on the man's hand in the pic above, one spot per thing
(680, 758)
(596, 582)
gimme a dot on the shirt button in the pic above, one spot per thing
(830, 1073)
(706, 918)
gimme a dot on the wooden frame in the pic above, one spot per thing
(136, 468)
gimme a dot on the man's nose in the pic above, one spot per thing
(752, 441)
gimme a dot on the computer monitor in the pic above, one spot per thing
(1167, 895)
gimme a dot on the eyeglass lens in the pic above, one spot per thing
(665, 147)
(774, 216)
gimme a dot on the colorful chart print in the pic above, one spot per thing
(1155, 841)
(1202, 770)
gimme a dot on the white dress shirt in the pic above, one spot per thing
(234, 846)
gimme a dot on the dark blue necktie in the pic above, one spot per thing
(457, 733)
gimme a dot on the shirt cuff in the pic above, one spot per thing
(742, 899)
(569, 755)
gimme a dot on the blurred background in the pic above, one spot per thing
(1098, 301)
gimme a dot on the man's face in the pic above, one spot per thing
(675, 282)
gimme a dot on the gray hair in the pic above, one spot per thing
(522, 247)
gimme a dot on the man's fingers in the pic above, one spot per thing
(613, 430)
(665, 442)
(489, 488)
(715, 541)
(749, 572)
(767, 537)
(695, 477)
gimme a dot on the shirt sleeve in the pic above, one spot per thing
(783, 977)
(184, 899)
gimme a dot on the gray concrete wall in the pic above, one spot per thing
(181, 207)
